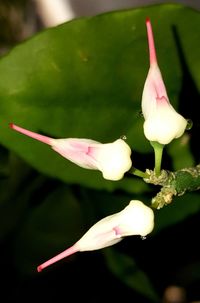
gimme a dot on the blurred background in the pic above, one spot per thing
(20, 20)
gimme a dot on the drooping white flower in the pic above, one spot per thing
(112, 159)
(162, 122)
(134, 219)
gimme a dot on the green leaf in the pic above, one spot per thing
(17, 185)
(180, 152)
(48, 229)
(125, 268)
(180, 209)
(85, 79)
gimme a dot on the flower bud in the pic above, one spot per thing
(162, 122)
(112, 159)
(134, 219)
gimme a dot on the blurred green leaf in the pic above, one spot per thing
(181, 208)
(190, 273)
(125, 268)
(180, 152)
(17, 185)
(85, 79)
(49, 228)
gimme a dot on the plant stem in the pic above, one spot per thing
(158, 152)
(138, 173)
(174, 184)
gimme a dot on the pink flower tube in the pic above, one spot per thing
(112, 159)
(162, 123)
(134, 219)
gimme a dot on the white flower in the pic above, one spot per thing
(162, 122)
(112, 159)
(134, 219)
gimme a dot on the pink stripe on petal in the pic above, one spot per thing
(77, 153)
(162, 101)
(117, 231)
(157, 82)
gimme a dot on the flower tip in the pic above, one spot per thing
(11, 125)
(41, 138)
(148, 20)
(71, 250)
(39, 268)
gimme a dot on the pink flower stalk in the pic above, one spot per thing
(134, 219)
(162, 123)
(112, 159)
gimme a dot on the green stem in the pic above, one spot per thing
(174, 184)
(138, 173)
(158, 152)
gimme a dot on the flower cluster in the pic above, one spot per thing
(162, 124)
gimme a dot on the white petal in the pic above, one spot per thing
(138, 219)
(164, 125)
(113, 159)
(76, 150)
(154, 88)
(101, 234)
(135, 219)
